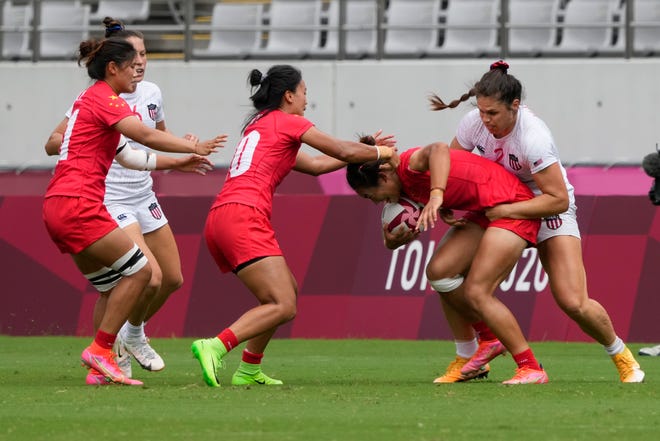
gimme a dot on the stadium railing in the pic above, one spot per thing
(183, 29)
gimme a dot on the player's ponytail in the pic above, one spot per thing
(271, 87)
(497, 83)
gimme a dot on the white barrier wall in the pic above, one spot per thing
(600, 110)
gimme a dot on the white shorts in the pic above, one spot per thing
(142, 208)
(564, 224)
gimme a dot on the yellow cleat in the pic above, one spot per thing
(453, 373)
(629, 370)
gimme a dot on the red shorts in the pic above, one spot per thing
(75, 223)
(237, 233)
(528, 229)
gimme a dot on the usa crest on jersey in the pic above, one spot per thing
(153, 111)
(553, 222)
(514, 163)
(155, 210)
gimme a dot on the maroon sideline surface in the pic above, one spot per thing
(350, 286)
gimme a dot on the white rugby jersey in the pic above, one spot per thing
(528, 149)
(147, 103)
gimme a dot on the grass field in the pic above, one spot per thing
(335, 390)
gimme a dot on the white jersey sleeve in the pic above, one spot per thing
(541, 151)
(147, 103)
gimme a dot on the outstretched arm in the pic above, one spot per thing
(138, 159)
(316, 165)
(320, 164)
(166, 142)
(346, 151)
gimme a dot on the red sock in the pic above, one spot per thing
(252, 358)
(483, 332)
(228, 338)
(105, 340)
(527, 359)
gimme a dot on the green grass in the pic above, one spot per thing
(335, 390)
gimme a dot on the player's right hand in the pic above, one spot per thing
(399, 237)
(205, 148)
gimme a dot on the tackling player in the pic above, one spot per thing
(437, 177)
(508, 133)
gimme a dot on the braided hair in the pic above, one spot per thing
(496, 83)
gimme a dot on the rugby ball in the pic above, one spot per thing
(402, 214)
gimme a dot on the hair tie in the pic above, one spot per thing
(115, 27)
(501, 65)
(263, 78)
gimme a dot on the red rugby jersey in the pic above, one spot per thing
(89, 144)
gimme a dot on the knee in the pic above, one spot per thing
(476, 297)
(143, 276)
(287, 312)
(154, 282)
(447, 284)
(171, 283)
(571, 305)
(286, 307)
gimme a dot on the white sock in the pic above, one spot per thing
(133, 332)
(615, 348)
(466, 348)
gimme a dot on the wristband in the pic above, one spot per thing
(439, 188)
(377, 153)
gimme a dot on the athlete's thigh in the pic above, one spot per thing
(496, 256)
(104, 252)
(561, 257)
(270, 280)
(455, 252)
(162, 244)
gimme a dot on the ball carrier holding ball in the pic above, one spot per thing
(401, 215)
(473, 184)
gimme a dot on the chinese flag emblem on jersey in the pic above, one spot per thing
(115, 101)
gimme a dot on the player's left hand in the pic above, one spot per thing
(195, 164)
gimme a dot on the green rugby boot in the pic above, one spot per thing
(242, 378)
(209, 353)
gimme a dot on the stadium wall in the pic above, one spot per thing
(601, 111)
